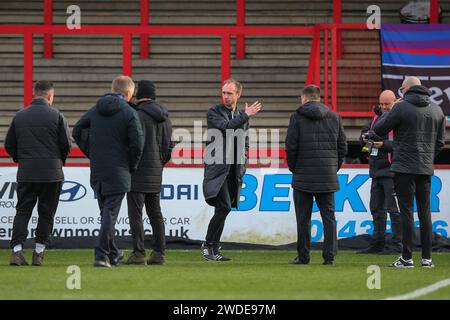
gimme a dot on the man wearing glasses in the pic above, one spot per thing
(382, 195)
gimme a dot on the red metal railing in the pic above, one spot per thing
(191, 154)
(315, 63)
(127, 31)
(313, 74)
(434, 11)
(144, 21)
(337, 19)
(335, 30)
(48, 20)
(240, 22)
(184, 158)
(314, 68)
(315, 59)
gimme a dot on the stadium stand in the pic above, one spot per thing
(186, 69)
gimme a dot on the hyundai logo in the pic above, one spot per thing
(72, 191)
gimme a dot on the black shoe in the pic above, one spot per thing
(402, 263)
(135, 258)
(114, 261)
(157, 257)
(212, 253)
(17, 259)
(218, 255)
(38, 258)
(328, 262)
(298, 261)
(102, 263)
(371, 250)
(207, 251)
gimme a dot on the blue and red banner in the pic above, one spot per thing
(421, 50)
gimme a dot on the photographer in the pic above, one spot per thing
(382, 195)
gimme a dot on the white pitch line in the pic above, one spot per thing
(422, 291)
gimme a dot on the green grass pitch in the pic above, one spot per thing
(252, 274)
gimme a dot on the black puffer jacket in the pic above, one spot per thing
(380, 164)
(39, 140)
(110, 134)
(157, 148)
(315, 147)
(419, 132)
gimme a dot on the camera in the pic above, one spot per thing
(370, 136)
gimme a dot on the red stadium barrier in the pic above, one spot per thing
(313, 75)
(192, 154)
(337, 18)
(144, 21)
(145, 6)
(48, 20)
(434, 11)
(240, 22)
(314, 68)
(225, 32)
(127, 31)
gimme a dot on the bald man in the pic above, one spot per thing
(382, 195)
(419, 135)
(408, 83)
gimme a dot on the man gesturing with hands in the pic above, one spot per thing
(225, 161)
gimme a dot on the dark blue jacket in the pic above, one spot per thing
(110, 134)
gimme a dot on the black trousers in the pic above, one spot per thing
(47, 197)
(109, 211)
(382, 201)
(406, 186)
(136, 201)
(303, 210)
(221, 211)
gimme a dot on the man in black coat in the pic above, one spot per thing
(147, 179)
(39, 140)
(110, 134)
(225, 160)
(382, 194)
(315, 150)
(419, 135)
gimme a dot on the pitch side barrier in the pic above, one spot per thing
(193, 158)
(265, 215)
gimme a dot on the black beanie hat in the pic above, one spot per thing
(146, 89)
